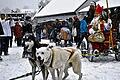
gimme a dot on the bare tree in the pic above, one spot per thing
(42, 4)
(6, 10)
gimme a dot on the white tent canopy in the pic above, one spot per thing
(111, 3)
(60, 6)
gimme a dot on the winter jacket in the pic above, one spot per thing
(1, 29)
(83, 26)
(76, 25)
(18, 30)
(27, 28)
(6, 27)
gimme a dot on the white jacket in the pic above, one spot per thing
(6, 28)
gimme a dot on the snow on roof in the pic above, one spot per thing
(85, 9)
(111, 3)
(60, 6)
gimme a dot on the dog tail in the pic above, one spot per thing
(78, 51)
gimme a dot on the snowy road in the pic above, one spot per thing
(105, 68)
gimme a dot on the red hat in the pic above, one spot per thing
(98, 9)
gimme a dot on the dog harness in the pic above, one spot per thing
(71, 51)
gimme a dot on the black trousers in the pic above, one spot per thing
(82, 35)
(4, 44)
(10, 41)
(19, 41)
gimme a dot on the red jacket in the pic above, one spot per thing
(18, 30)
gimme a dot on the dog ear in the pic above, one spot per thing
(50, 47)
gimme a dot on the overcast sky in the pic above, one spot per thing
(12, 4)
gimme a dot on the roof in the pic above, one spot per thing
(60, 6)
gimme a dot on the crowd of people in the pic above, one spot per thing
(71, 30)
(10, 28)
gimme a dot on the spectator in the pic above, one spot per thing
(70, 26)
(38, 29)
(65, 33)
(91, 12)
(83, 31)
(44, 34)
(27, 28)
(4, 42)
(58, 24)
(12, 25)
(70, 23)
(18, 33)
(1, 33)
(76, 24)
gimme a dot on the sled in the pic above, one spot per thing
(109, 46)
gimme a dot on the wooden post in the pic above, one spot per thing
(110, 37)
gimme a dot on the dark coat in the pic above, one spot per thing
(76, 25)
(1, 30)
(27, 28)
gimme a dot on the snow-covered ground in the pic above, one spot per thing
(105, 68)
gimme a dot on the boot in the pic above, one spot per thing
(0, 58)
(6, 53)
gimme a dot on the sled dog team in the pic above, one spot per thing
(54, 58)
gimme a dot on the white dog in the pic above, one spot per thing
(61, 59)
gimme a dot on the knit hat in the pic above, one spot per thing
(98, 9)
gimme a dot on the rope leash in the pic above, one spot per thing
(88, 54)
(25, 75)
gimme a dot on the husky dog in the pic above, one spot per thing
(30, 45)
(61, 59)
